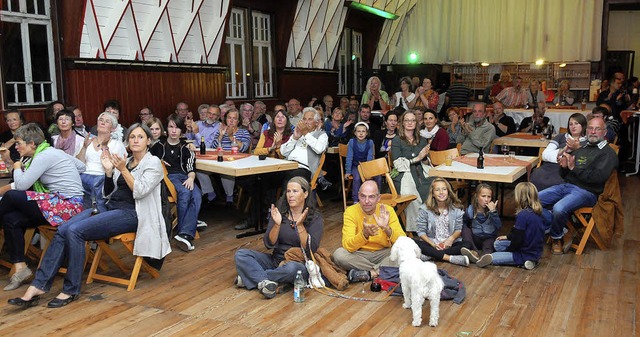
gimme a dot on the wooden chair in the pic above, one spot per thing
(28, 248)
(172, 197)
(439, 158)
(47, 232)
(346, 183)
(584, 216)
(127, 240)
(562, 130)
(314, 179)
(378, 167)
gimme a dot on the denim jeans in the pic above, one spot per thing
(92, 185)
(188, 204)
(69, 242)
(501, 257)
(565, 199)
(253, 267)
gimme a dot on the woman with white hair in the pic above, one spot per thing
(91, 153)
(306, 145)
(376, 98)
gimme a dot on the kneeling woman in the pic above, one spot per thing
(290, 225)
(132, 187)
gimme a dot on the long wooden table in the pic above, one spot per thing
(250, 165)
(522, 139)
(500, 174)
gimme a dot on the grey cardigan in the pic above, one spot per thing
(151, 236)
(427, 219)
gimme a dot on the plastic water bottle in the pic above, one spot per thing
(298, 288)
(234, 146)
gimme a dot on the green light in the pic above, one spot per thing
(413, 57)
(372, 10)
(353, 57)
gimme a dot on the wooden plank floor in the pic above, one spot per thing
(595, 294)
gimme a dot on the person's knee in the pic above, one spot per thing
(340, 255)
(242, 255)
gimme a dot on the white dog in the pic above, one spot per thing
(419, 280)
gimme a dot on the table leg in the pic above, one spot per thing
(256, 213)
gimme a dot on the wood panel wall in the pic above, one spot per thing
(303, 84)
(89, 89)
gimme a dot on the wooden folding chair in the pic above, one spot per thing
(28, 248)
(172, 197)
(378, 167)
(314, 179)
(47, 232)
(127, 240)
(584, 216)
(439, 158)
(346, 183)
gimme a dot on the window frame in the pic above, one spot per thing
(25, 19)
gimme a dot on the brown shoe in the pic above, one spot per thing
(556, 247)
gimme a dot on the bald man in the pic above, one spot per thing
(369, 230)
(585, 172)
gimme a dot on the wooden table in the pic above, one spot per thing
(244, 167)
(521, 139)
(499, 174)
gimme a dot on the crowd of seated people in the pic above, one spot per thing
(119, 174)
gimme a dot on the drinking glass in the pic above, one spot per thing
(505, 151)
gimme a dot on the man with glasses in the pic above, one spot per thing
(479, 133)
(370, 228)
(295, 111)
(182, 109)
(206, 128)
(145, 114)
(249, 123)
(585, 172)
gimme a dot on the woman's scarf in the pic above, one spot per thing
(429, 134)
(38, 186)
(68, 145)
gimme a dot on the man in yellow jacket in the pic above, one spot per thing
(369, 230)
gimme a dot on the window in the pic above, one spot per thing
(350, 63)
(27, 52)
(260, 71)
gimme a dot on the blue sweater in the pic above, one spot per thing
(527, 237)
(483, 225)
(359, 147)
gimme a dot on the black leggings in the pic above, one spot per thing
(439, 254)
(17, 214)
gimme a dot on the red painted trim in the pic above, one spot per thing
(204, 44)
(144, 49)
(95, 19)
(117, 25)
(135, 24)
(173, 40)
(191, 25)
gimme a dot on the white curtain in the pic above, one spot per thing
(446, 31)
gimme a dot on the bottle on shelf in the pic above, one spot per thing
(480, 163)
(203, 146)
(234, 146)
(298, 288)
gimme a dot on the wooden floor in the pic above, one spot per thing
(592, 295)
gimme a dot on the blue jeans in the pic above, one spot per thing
(92, 186)
(501, 257)
(188, 204)
(565, 199)
(253, 267)
(69, 242)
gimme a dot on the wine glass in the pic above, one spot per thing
(505, 151)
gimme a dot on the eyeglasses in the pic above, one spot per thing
(20, 142)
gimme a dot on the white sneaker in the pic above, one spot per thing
(268, 288)
(238, 282)
(460, 260)
(201, 224)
